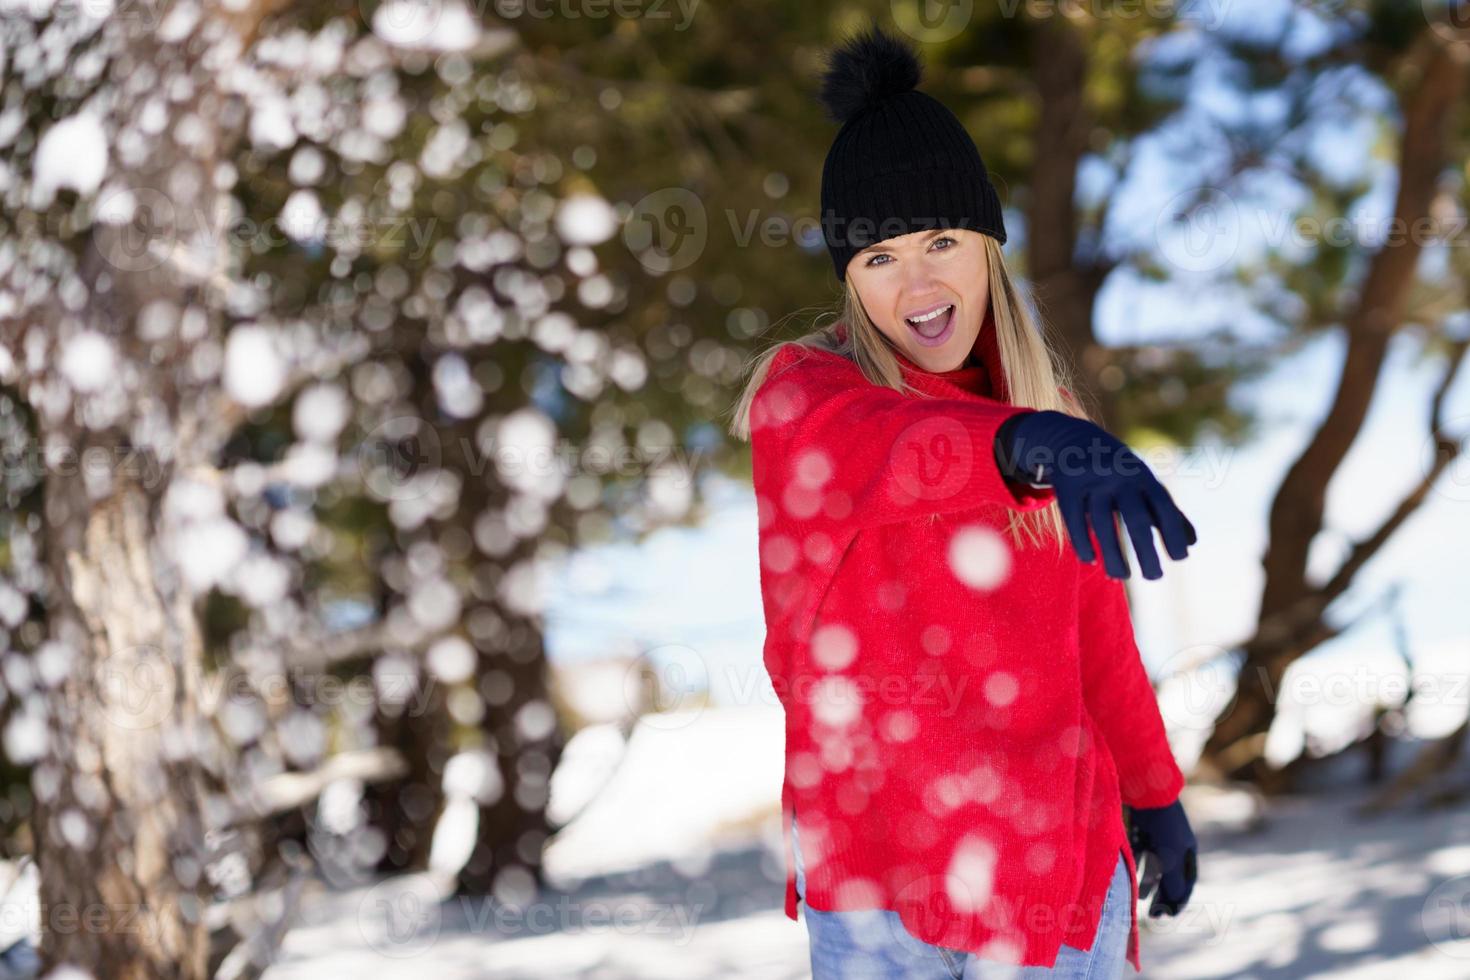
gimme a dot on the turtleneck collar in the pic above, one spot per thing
(981, 374)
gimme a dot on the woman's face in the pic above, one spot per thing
(928, 292)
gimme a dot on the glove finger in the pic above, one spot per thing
(1170, 898)
(1162, 900)
(1175, 889)
(1174, 527)
(1138, 519)
(1160, 907)
(1100, 511)
(1150, 877)
(1073, 506)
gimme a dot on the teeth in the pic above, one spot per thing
(930, 316)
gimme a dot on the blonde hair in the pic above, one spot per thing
(1035, 375)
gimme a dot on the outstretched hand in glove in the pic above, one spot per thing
(1095, 475)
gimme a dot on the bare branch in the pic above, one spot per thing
(291, 790)
(1446, 451)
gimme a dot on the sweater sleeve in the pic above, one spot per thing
(1119, 695)
(829, 446)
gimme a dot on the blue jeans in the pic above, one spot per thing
(872, 944)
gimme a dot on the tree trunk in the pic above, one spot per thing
(406, 809)
(118, 817)
(514, 826)
(1065, 284)
(1290, 621)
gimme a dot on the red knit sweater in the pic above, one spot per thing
(963, 715)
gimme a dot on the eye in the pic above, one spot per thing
(942, 238)
(945, 238)
(875, 258)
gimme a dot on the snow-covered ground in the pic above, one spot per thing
(674, 870)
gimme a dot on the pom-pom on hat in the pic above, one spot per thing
(901, 162)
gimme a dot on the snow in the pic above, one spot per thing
(193, 499)
(209, 550)
(473, 774)
(454, 837)
(971, 873)
(535, 721)
(669, 490)
(309, 464)
(585, 219)
(13, 605)
(435, 25)
(605, 690)
(836, 701)
(254, 370)
(26, 736)
(89, 361)
(686, 774)
(208, 546)
(452, 660)
(834, 646)
(261, 580)
(180, 22)
(270, 123)
(524, 453)
(471, 779)
(980, 557)
(69, 972)
(301, 216)
(588, 761)
(72, 154)
(458, 393)
(291, 529)
(320, 413)
(19, 885)
(384, 117)
(675, 870)
(1001, 688)
(434, 604)
(307, 165)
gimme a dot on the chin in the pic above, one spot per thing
(948, 356)
(939, 361)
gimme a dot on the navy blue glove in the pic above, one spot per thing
(1094, 474)
(1171, 856)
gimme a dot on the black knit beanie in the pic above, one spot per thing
(901, 161)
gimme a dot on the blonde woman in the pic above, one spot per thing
(966, 709)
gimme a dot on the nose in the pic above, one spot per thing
(919, 281)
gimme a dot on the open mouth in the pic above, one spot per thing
(933, 328)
